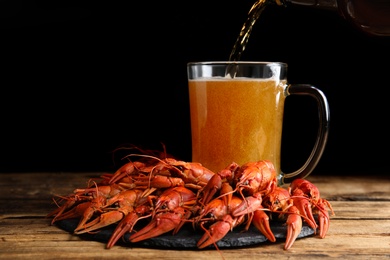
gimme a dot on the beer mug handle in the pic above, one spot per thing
(323, 129)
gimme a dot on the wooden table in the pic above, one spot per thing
(360, 228)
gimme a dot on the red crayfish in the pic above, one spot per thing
(167, 194)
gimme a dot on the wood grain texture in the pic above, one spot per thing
(360, 228)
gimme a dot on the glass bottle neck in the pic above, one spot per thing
(324, 4)
(369, 16)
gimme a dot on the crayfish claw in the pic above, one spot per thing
(103, 220)
(323, 220)
(124, 171)
(294, 226)
(215, 232)
(211, 188)
(126, 225)
(249, 205)
(323, 216)
(261, 222)
(304, 206)
(160, 224)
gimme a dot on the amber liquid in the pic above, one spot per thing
(243, 37)
(236, 120)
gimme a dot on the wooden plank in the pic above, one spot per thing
(361, 210)
(363, 237)
(40, 185)
(360, 228)
(334, 245)
(16, 227)
(353, 188)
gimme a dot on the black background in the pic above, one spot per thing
(82, 78)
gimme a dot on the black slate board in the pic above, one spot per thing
(187, 237)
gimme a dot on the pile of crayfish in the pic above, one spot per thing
(168, 193)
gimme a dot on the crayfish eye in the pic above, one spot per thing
(210, 215)
(179, 167)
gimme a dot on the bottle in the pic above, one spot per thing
(369, 16)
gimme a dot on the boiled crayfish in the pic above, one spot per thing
(167, 194)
